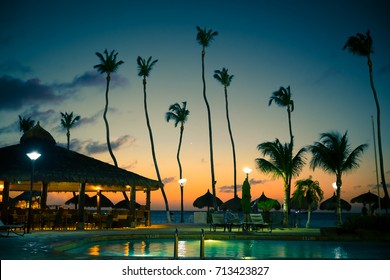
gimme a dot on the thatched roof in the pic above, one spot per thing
(58, 164)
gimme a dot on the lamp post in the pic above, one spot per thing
(33, 156)
(182, 182)
(247, 170)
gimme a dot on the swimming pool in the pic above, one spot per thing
(234, 249)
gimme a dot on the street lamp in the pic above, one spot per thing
(182, 182)
(33, 156)
(247, 170)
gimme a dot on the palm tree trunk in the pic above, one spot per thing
(181, 175)
(308, 217)
(68, 137)
(378, 119)
(107, 127)
(286, 204)
(339, 221)
(289, 123)
(154, 153)
(232, 141)
(210, 134)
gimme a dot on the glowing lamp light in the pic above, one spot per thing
(247, 170)
(334, 185)
(34, 155)
(182, 181)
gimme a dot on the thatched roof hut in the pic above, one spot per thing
(61, 170)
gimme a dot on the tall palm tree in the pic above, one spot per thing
(334, 155)
(108, 64)
(204, 38)
(144, 69)
(225, 79)
(281, 164)
(178, 115)
(68, 121)
(362, 45)
(25, 124)
(282, 98)
(308, 192)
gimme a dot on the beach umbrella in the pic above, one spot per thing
(266, 204)
(367, 197)
(233, 204)
(104, 201)
(206, 200)
(25, 196)
(330, 204)
(125, 204)
(75, 200)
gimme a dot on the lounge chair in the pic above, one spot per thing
(12, 228)
(257, 222)
(218, 220)
(233, 220)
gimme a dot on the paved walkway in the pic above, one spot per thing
(48, 244)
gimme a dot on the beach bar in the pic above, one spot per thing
(61, 170)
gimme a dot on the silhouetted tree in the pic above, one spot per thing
(281, 164)
(333, 154)
(68, 121)
(225, 79)
(204, 38)
(362, 45)
(25, 124)
(108, 64)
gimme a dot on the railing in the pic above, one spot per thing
(176, 245)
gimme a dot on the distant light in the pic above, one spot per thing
(247, 170)
(182, 181)
(334, 185)
(34, 155)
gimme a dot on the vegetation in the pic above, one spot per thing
(225, 79)
(334, 155)
(108, 64)
(204, 38)
(308, 192)
(362, 45)
(25, 124)
(281, 164)
(68, 121)
(144, 69)
(178, 115)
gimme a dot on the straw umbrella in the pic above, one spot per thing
(206, 200)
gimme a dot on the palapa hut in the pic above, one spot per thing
(62, 170)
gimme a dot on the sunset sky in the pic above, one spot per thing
(46, 67)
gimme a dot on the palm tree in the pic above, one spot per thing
(204, 38)
(68, 122)
(334, 155)
(108, 64)
(25, 124)
(178, 115)
(225, 79)
(282, 98)
(144, 69)
(281, 164)
(361, 45)
(308, 192)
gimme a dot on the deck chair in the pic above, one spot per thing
(233, 220)
(218, 220)
(12, 228)
(257, 222)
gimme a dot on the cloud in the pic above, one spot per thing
(16, 93)
(168, 180)
(257, 182)
(90, 147)
(229, 189)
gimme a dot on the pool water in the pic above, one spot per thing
(236, 249)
